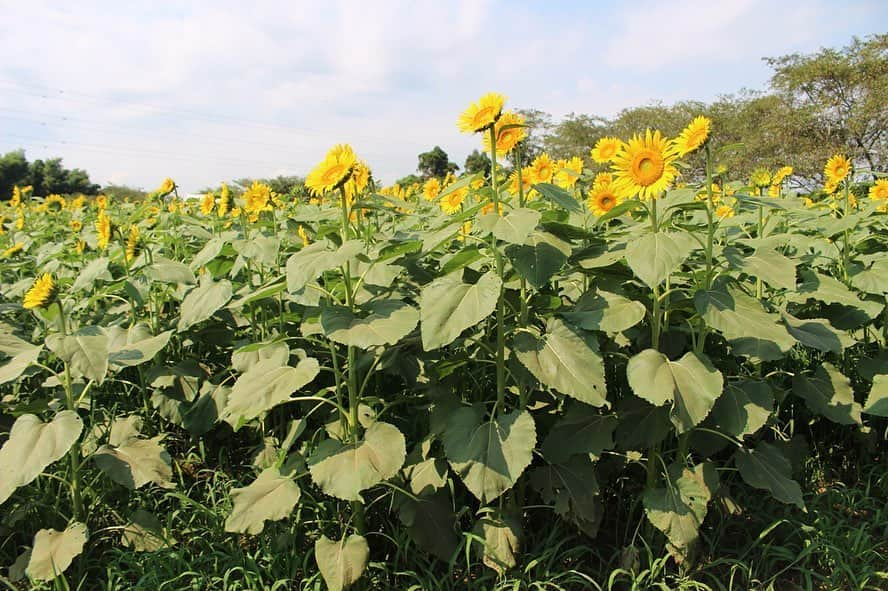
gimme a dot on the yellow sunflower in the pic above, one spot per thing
(481, 115)
(724, 211)
(257, 198)
(55, 203)
(224, 201)
(542, 169)
(693, 136)
(781, 174)
(506, 139)
(333, 171)
(526, 181)
(602, 179)
(303, 235)
(101, 201)
(606, 149)
(41, 294)
(207, 203)
(644, 166)
(18, 246)
(760, 178)
(166, 187)
(103, 229)
(16, 197)
(830, 186)
(568, 172)
(837, 168)
(879, 191)
(431, 188)
(602, 199)
(491, 207)
(451, 202)
(132, 243)
(76, 225)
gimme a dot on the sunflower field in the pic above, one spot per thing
(605, 364)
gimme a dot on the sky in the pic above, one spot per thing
(137, 91)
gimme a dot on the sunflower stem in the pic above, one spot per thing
(74, 452)
(500, 304)
(655, 312)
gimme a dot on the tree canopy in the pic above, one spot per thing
(45, 176)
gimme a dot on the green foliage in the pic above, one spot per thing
(435, 163)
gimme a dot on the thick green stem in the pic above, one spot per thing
(655, 311)
(759, 287)
(500, 305)
(74, 452)
(846, 209)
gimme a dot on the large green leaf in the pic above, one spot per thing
(691, 383)
(54, 550)
(270, 497)
(580, 430)
(144, 533)
(22, 354)
(91, 272)
(679, 508)
(309, 263)
(877, 401)
(743, 408)
(513, 227)
(136, 462)
(210, 251)
(449, 306)
(772, 267)
(203, 301)
(383, 322)
(167, 271)
(766, 468)
(134, 345)
(244, 358)
(828, 392)
(343, 470)
(33, 445)
(817, 333)
(85, 351)
(605, 311)
(653, 257)
(341, 562)
(564, 359)
(431, 523)
(558, 196)
(264, 386)
(572, 488)
(831, 291)
(536, 263)
(489, 454)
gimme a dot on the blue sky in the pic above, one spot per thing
(207, 91)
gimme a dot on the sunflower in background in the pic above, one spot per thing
(333, 171)
(103, 230)
(567, 172)
(507, 137)
(452, 202)
(431, 189)
(542, 169)
(693, 136)
(482, 115)
(207, 204)
(133, 243)
(41, 294)
(602, 197)
(606, 149)
(837, 168)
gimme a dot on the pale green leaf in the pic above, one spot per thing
(270, 497)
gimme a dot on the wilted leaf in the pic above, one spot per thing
(268, 498)
(502, 535)
(54, 551)
(341, 562)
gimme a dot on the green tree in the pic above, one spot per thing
(435, 163)
(477, 161)
(13, 171)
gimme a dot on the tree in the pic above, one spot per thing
(13, 171)
(477, 161)
(574, 135)
(435, 163)
(538, 125)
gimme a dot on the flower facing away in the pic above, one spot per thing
(542, 169)
(606, 149)
(207, 203)
(568, 172)
(166, 187)
(507, 137)
(483, 114)
(879, 191)
(644, 166)
(41, 294)
(333, 171)
(693, 136)
(224, 201)
(431, 188)
(103, 229)
(451, 202)
(781, 174)
(760, 178)
(837, 168)
(303, 235)
(132, 243)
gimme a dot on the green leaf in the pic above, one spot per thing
(536, 263)
(21, 360)
(33, 445)
(134, 345)
(344, 470)
(653, 257)
(383, 322)
(566, 360)
(167, 271)
(309, 263)
(750, 330)
(210, 251)
(431, 523)
(85, 351)
(266, 385)
(873, 280)
(341, 562)
(679, 508)
(772, 267)
(606, 311)
(691, 383)
(831, 291)
(136, 462)
(558, 196)
(91, 272)
(144, 533)
(502, 535)
(828, 393)
(877, 401)
(54, 551)
(270, 497)
(448, 306)
(489, 454)
(743, 408)
(514, 227)
(817, 333)
(580, 430)
(247, 356)
(766, 468)
(618, 210)
(572, 488)
(203, 301)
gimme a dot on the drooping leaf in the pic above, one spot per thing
(828, 392)
(558, 196)
(817, 333)
(431, 523)
(270, 497)
(653, 257)
(489, 454)
(606, 311)
(54, 550)
(136, 462)
(85, 351)
(691, 383)
(831, 291)
(536, 263)
(203, 301)
(264, 386)
(877, 401)
(134, 345)
(383, 322)
(344, 470)
(449, 306)
(743, 408)
(679, 508)
(21, 359)
(246, 357)
(341, 562)
(766, 468)
(571, 486)
(167, 271)
(580, 430)
(33, 445)
(144, 533)
(502, 533)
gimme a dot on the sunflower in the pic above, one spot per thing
(526, 181)
(837, 168)
(13, 249)
(542, 169)
(879, 191)
(830, 186)
(16, 197)
(361, 175)
(506, 139)
(451, 202)
(75, 225)
(568, 172)
(781, 174)
(303, 235)
(693, 136)
(224, 201)
(606, 149)
(466, 230)
(132, 243)
(602, 179)
(333, 171)
(101, 201)
(644, 166)
(760, 178)
(602, 199)
(41, 294)
(724, 211)
(431, 188)
(166, 187)
(481, 115)
(103, 229)
(490, 207)
(55, 203)
(77, 203)
(207, 203)
(257, 198)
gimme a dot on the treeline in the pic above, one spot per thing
(45, 176)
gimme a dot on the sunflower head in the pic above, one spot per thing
(724, 211)
(760, 178)
(42, 293)
(224, 201)
(482, 115)
(207, 203)
(837, 168)
(333, 171)
(166, 187)
(16, 197)
(568, 172)
(606, 149)
(509, 130)
(101, 201)
(303, 235)
(17, 247)
(693, 136)
(602, 179)
(542, 168)
(133, 244)
(55, 203)
(781, 174)
(644, 166)
(525, 183)
(103, 229)
(431, 188)
(75, 225)
(879, 191)
(602, 200)
(452, 202)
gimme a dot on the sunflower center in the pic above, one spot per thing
(483, 117)
(647, 167)
(333, 174)
(607, 202)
